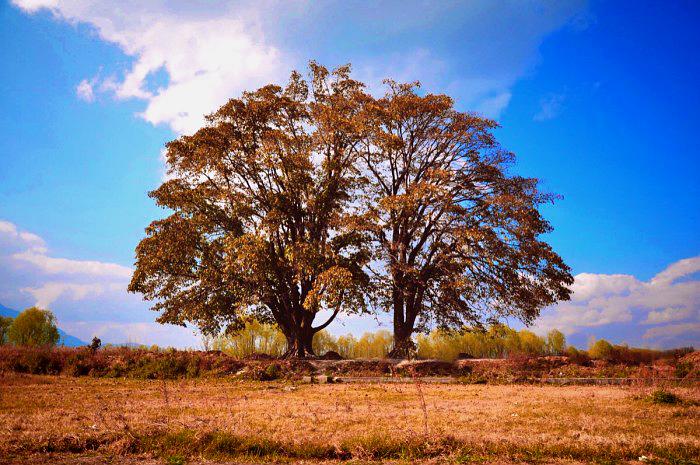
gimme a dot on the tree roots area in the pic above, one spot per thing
(86, 420)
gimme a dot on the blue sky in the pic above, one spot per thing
(599, 100)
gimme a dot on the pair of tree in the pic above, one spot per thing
(319, 198)
(32, 327)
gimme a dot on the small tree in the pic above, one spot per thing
(530, 343)
(5, 322)
(34, 327)
(556, 342)
(601, 350)
(95, 344)
(324, 342)
(253, 338)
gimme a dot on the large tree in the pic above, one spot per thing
(459, 238)
(259, 197)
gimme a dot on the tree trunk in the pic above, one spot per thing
(404, 347)
(300, 344)
(403, 323)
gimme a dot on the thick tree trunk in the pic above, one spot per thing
(404, 346)
(300, 344)
(404, 319)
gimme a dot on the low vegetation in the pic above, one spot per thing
(662, 396)
(153, 363)
(220, 419)
(499, 341)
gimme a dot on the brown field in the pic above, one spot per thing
(57, 419)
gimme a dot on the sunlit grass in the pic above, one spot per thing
(221, 418)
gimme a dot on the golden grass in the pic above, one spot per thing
(222, 419)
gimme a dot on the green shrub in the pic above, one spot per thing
(271, 372)
(683, 369)
(175, 460)
(579, 357)
(664, 397)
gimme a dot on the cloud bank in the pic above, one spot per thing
(663, 311)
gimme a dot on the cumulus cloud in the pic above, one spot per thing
(208, 55)
(53, 265)
(598, 300)
(668, 314)
(9, 234)
(25, 256)
(208, 58)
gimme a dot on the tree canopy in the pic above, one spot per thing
(259, 199)
(458, 237)
(319, 198)
(34, 327)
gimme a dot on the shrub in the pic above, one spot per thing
(38, 361)
(271, 372)
(78, 364)
(95, 344)
(579, 357)
(683, 369)
(664, 397)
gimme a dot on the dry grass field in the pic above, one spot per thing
(57, 419)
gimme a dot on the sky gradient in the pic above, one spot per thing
(599, 100)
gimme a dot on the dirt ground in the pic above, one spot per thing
(57, 419)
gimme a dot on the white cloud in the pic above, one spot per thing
(9, 234)
(79, 292)
(550, 107)
(53, 265)
(599, 300)
(209, 57)
(88, 297)
(84, 90)
(51, 277)
(667, 315)
(211, 54)
(49, 292)
(492, 107)
(677, 270)
(147, 333)
(673, 331)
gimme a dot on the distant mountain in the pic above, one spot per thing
(66, 339)
(4, 311)
(69, 341)
(130, 345)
